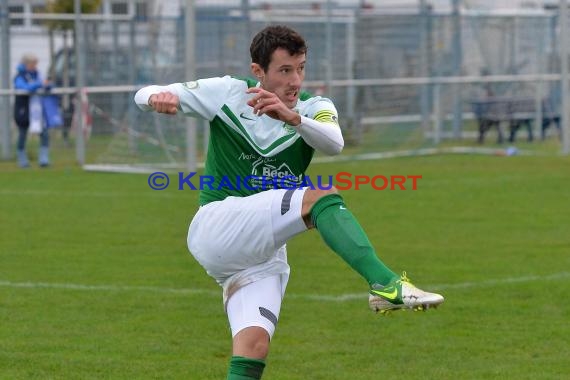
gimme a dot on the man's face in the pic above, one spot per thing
(32, 66)
(284, 76)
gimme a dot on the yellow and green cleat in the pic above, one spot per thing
(401, 294)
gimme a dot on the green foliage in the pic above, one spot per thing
(67, 6)
(96, 281)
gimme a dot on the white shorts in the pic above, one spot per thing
(240, 240)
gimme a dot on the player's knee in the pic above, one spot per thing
(260, 349)
(311, 197)
(257, 349)
(252, 342)
(332, 190)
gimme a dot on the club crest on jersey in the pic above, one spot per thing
(192, 85)
(288, 129)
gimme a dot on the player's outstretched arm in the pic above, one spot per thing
(162, 99)
(164, 102)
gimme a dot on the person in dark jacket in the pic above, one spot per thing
(28, 79)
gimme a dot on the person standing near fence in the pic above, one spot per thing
(28, 79)
(268, 125)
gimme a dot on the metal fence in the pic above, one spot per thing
(401, 78)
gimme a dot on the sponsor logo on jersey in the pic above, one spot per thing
(253, 156)
(278, 175)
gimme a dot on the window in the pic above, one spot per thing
(141, 10)
(16, 9)
(119, 8)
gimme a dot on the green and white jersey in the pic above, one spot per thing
(248, 153)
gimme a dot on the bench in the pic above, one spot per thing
(516, 111)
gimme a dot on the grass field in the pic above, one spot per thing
(96, 281)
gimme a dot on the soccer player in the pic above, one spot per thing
(260, 128)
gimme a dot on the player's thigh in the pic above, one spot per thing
(286, 215)
(232, 234)
(256, 304)
(240, 232)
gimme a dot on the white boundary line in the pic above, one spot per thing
(172, 168)
(105, 288)
(313, 297)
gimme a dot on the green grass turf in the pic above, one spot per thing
(90, 265)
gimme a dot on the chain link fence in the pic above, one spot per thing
(402, 78)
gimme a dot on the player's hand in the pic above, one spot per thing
(268, 103)
(164, 102)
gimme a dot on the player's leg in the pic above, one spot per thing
(253, 312)
(326, 211)
(240, 245)
(23, 161)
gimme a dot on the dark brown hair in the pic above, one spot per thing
(271, 38)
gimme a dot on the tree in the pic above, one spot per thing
(66, 6)
(65, 26)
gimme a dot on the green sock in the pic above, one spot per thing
(343, 234)
(242, 368)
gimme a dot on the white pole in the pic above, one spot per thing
(5, 135)
(424, 64)
(538, 114)
(436, 114)
(457, 60)
(350, 60)
(329, 49)
(564, 72)
(190, 72)
(79, 83)
(539, 111)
